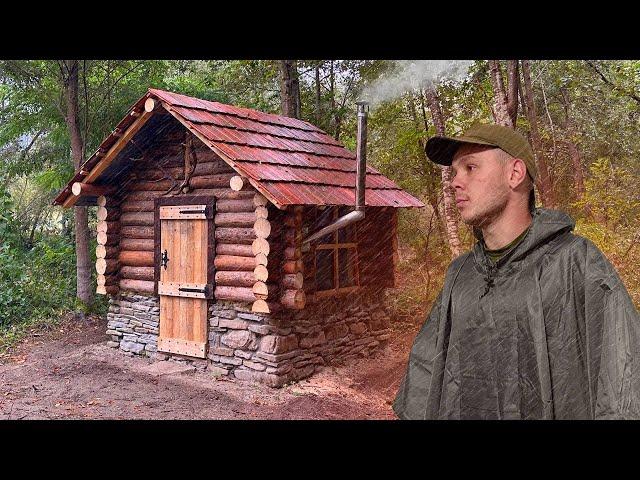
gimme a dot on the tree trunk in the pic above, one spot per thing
(543, 181)
(332, 96)
(576, 160)
(513, 76)
(84, 290)
(499, 107)
(574, 152)
(289, 89)
(318, 96)
(451, 225)
(432, 196)
(505, 102)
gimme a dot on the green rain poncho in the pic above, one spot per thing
(549, 332)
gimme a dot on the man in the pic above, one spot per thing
(534, 322)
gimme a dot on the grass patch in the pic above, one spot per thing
(11, 335)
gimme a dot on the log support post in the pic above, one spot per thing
(292, 278)
(264, 291)
(108, 250)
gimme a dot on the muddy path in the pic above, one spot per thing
(70, 373)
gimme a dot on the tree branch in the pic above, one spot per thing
(618, 88)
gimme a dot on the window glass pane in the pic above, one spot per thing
(325, 217)
(346, 267)
(324, 270)
(346, 234)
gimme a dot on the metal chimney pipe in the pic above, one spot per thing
(361, 154)
(361, 173)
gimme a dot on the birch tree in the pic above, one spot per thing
(450, 222)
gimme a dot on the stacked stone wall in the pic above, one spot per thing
(274, 349)
(133, 323)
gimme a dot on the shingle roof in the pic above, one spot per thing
(291, 161)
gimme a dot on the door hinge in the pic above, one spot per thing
(204, 290)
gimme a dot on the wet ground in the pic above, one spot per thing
(70, 373)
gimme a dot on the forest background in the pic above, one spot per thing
(582, 118)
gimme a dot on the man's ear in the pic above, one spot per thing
(518, 173)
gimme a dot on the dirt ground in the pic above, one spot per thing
(70, 373)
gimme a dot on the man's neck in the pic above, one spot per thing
(505, 228)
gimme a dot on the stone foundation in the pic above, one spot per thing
(134, 323)
(274, 349)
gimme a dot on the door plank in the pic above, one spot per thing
(183, 319)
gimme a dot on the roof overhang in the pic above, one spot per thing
(137, 116)
(111, 159)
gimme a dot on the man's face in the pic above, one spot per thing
(480, 183)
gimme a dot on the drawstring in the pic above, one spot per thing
(491, 270)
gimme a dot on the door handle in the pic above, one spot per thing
(164, 260)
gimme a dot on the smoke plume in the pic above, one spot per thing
(410, 75)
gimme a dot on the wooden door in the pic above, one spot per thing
(184, 276)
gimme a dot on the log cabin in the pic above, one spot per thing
(253, 245)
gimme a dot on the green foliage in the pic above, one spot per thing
(611, 195)
(34, 283)
(613, 203)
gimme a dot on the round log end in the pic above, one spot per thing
(259, 200)
(261, 259)
(261, 273)
(262, 228)
(262, 212)
(260, 288)
(101, 238)
(260, 245)
(293, 299)
(76, 188)
(260, 306)
(236, 183)
(149, 105)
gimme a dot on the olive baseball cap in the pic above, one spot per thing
(442, 149)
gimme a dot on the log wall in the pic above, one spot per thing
(162, 176)
(377, 247)
(247, 267)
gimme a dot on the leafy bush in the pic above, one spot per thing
(611, 199)
(37, 282)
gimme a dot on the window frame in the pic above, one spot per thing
(335, 247)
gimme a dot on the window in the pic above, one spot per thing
(336, 255)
